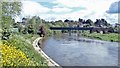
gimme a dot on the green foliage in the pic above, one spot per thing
(23, 43)
(30, 29)
(36, 22)
(117, 29)
(6, 21)
(15, 25)
(5, 34)
(11, 8)
(24, 30)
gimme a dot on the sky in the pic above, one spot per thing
(52, 10)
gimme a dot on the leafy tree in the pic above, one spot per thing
(11, 8)
(9, 11)
(80, 20)
(35, 21)
(15, 25)
(66, 20)
(5, 34)
(97, 23)
(117, 28)
(90, 22)
(102, 23)
(30, 29)
(60, 21)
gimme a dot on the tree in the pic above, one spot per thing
(9, 11)
(11, 8)
(80, 20)
(66, 20)
(117, 28)
(35, 21)
(90, 22)
(97, 23)
(30, 29)
(105, 23)
(102, 23)
(60, 21)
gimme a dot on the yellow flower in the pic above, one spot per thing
(13, 57)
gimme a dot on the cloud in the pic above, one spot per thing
(61, 10)
(31, 8)
(71, 15)
(114, 8)
(43, 0)
(94, 9)
(67, 9)
(93, 5)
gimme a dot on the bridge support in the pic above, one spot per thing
(78, 33)
(101, 32)
(69, 31)
(91, 31)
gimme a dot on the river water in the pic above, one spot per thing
(80, 51)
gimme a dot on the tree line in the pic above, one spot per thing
(98, 23)
(31, 25)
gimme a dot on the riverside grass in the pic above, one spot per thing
(114, 37)
(22, 46)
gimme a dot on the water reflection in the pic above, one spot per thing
(79, 51)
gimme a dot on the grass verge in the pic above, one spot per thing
(113, 37)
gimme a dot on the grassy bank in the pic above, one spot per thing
(24, 44)
(114, 37)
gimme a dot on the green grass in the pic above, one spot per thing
(106, 37)
(24, 43)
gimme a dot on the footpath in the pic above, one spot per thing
(51, 63)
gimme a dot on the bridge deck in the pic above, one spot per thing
(77, 28)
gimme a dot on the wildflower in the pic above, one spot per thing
(13, 57)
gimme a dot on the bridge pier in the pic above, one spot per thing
(101, 32)
(91, 31)
(69, 31)
(78, 33)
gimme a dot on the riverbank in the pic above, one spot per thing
(23, 42)
(113, 37)
(50, 62)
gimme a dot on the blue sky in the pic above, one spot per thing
(69, 9)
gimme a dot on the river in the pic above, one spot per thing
(79, 51)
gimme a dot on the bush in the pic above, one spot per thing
(5, 34)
